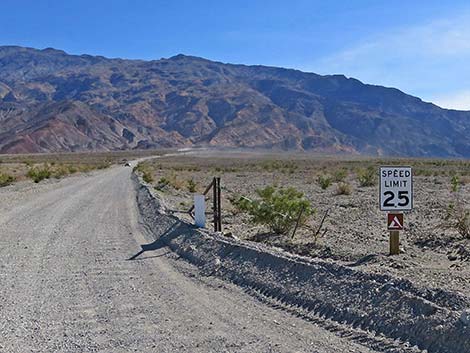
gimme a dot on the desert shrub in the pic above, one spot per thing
(454, 182)
(339, 175)
(84, 168)
(285, 167)
(60, 171)
(72, 169)
(38, 174)
(270, 166)
(175, 182)
(343, 189)
(145, 171)
(458, 218)
(192, 185)
(162, 183)
(147, 177)
(367, 176)
(138, 168)
(277, 208)
(324, 181)
(6, 179)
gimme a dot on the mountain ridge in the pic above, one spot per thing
(189, 101)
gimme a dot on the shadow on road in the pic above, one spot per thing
(175, 230)
(148, 257)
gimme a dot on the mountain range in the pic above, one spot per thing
(51, 101)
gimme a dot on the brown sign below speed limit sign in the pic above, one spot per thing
(395, 221)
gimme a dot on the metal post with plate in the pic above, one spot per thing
(396, 196)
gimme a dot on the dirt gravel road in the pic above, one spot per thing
(67, 284)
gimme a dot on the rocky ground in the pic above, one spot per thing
(433, 253)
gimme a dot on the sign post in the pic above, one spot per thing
(394, 242)
(396, 194)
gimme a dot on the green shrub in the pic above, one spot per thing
(6, 179)
(162, 183)
(147, 177)
(455, 182)
(324, 181)
(138, 167)
(145, 171)
(60, 171)
(340, 175)
(72, 169)
(172, 180)
(458, 218)
(367, 176)
(277, 208)
(84, 168)
(343, 189)
(192, 185)
(38, 174)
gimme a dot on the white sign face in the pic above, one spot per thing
(199, 211)
(396, 189)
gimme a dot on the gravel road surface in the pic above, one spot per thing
(67, 284)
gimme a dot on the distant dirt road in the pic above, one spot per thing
(66, 284)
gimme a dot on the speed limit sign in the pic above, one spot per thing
(396, 189)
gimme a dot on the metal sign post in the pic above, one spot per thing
(396, 194)
(217, 205)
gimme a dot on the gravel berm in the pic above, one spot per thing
(74, 278)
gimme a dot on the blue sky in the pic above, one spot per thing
(420, 47)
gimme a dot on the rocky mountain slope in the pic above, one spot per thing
(51, 101)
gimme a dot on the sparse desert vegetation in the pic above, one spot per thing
(324, 181)
(40, 167)
(343, 188)
(434, 244)
(6, 179)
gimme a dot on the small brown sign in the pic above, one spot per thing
(395, 221)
